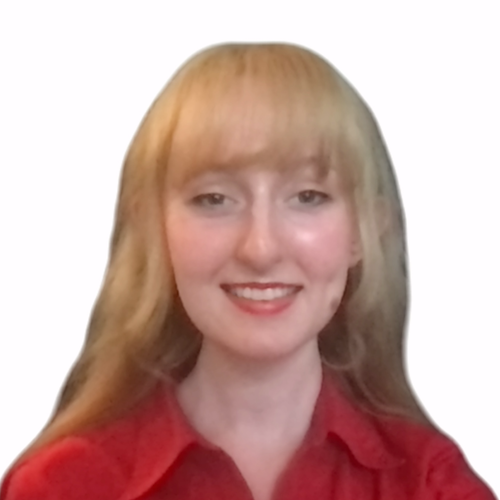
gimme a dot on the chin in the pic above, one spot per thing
(266, 353)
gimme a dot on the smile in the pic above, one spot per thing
(251, 293)
(262, 298)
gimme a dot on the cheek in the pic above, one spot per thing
(195, 250)
(323, 246)
(324, 252)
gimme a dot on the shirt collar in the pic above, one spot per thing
(163, 433)
(354, 427)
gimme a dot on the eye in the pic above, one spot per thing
(210, 200)
(312, 197)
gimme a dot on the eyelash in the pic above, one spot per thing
(214, 200)
(206, 199)
(318, 196)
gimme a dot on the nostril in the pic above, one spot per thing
(259, 244)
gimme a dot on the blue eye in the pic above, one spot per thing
(312, 197)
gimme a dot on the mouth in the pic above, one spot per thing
(262, 298)
(261, 291)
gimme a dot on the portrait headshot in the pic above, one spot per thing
(257, 266)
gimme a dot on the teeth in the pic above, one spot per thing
(267, 294)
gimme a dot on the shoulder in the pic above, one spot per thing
(92, 465)
(410, 460)
(431, 461)
(74, 468)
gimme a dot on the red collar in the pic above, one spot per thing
(163, 433)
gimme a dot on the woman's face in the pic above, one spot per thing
(260, 255)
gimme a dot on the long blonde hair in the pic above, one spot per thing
(138, 329)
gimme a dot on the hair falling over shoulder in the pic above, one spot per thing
(139, 332)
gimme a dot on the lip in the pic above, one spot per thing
(262, 307)
(259, 285)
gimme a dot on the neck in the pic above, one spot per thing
(230, 399)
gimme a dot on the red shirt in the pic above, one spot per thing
(154, 454)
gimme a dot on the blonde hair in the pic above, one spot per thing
(138, 329)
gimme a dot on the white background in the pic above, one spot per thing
(75, 81)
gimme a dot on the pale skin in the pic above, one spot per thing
(256, 381)
(258, 417)
(258, 375)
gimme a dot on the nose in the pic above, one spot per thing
(259, 246)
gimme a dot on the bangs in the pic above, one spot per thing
(272, 105)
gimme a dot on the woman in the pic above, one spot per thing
(247, 341)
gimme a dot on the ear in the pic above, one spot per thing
(356, 253)
(383, 221)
